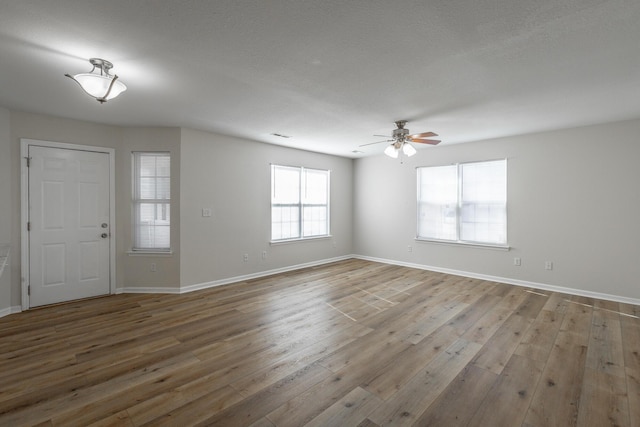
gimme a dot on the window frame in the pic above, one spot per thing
(300, 204)
(458, 209)
(136, 201)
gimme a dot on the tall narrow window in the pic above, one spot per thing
(299, 203)
(151, 201)
(465, 203)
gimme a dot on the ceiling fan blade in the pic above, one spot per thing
(423, 135)
(425, 141)
(383, 136)
(377, 142)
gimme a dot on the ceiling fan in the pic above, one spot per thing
(400, 140)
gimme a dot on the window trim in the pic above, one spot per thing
(135, 201)
(301, 206)
(460, 242)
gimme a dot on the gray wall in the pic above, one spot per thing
(232, 177)
(573, 199)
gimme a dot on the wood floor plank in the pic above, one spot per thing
(394, 376)
(605, 352)
(460, 401)
(294, 361)
(406, 406)
(630, 331)
(263, 422)
(538, 341)
(509, 398)
(258, 405)
(362, 350)
(74, 402)
(350, 343)
(351, 410)
(498, 349)
(557, 396)
(633, 394)
(603, 399)
(197, 410)
(121, 419)
(304, 407)
(420, 328)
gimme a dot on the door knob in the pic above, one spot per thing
(104, 235)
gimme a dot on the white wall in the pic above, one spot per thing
(231, 176)
(573, 199)
(5, 205)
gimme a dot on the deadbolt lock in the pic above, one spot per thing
(104, 225)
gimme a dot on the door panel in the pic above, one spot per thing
(68, 203)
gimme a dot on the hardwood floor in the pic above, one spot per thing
(354, 343)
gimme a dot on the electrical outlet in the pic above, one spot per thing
(206, 212)
(245, 257)
(548, 265)
(153, 267)
(409, 248)
(517, 261)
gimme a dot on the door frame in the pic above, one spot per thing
(25, 143)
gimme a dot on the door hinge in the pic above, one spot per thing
(28, 161)
(29, 226)
(29, 290)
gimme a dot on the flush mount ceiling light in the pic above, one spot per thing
(100, 85)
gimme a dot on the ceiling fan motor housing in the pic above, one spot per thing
(400, 133)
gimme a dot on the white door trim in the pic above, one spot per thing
(24, 208)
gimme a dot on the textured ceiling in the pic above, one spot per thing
(329, 73)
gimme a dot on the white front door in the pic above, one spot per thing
(69, 226)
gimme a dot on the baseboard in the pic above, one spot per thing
(470, 274)
(10, 310)
(257, 275)
(148, 290)
(229, 280)
(509, 281)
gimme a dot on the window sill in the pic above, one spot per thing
(465, 244)
(150, 253)
(306, 239)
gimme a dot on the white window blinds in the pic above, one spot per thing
(464, 203)
(151, 201)
(299, 202)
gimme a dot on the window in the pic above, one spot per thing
(464, 203)
(299, 203)
(151, 201)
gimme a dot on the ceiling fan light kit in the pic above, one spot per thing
(98, 83)
(400, 140)
(391, 151)
(408, 149)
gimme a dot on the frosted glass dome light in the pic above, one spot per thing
(100, 85)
